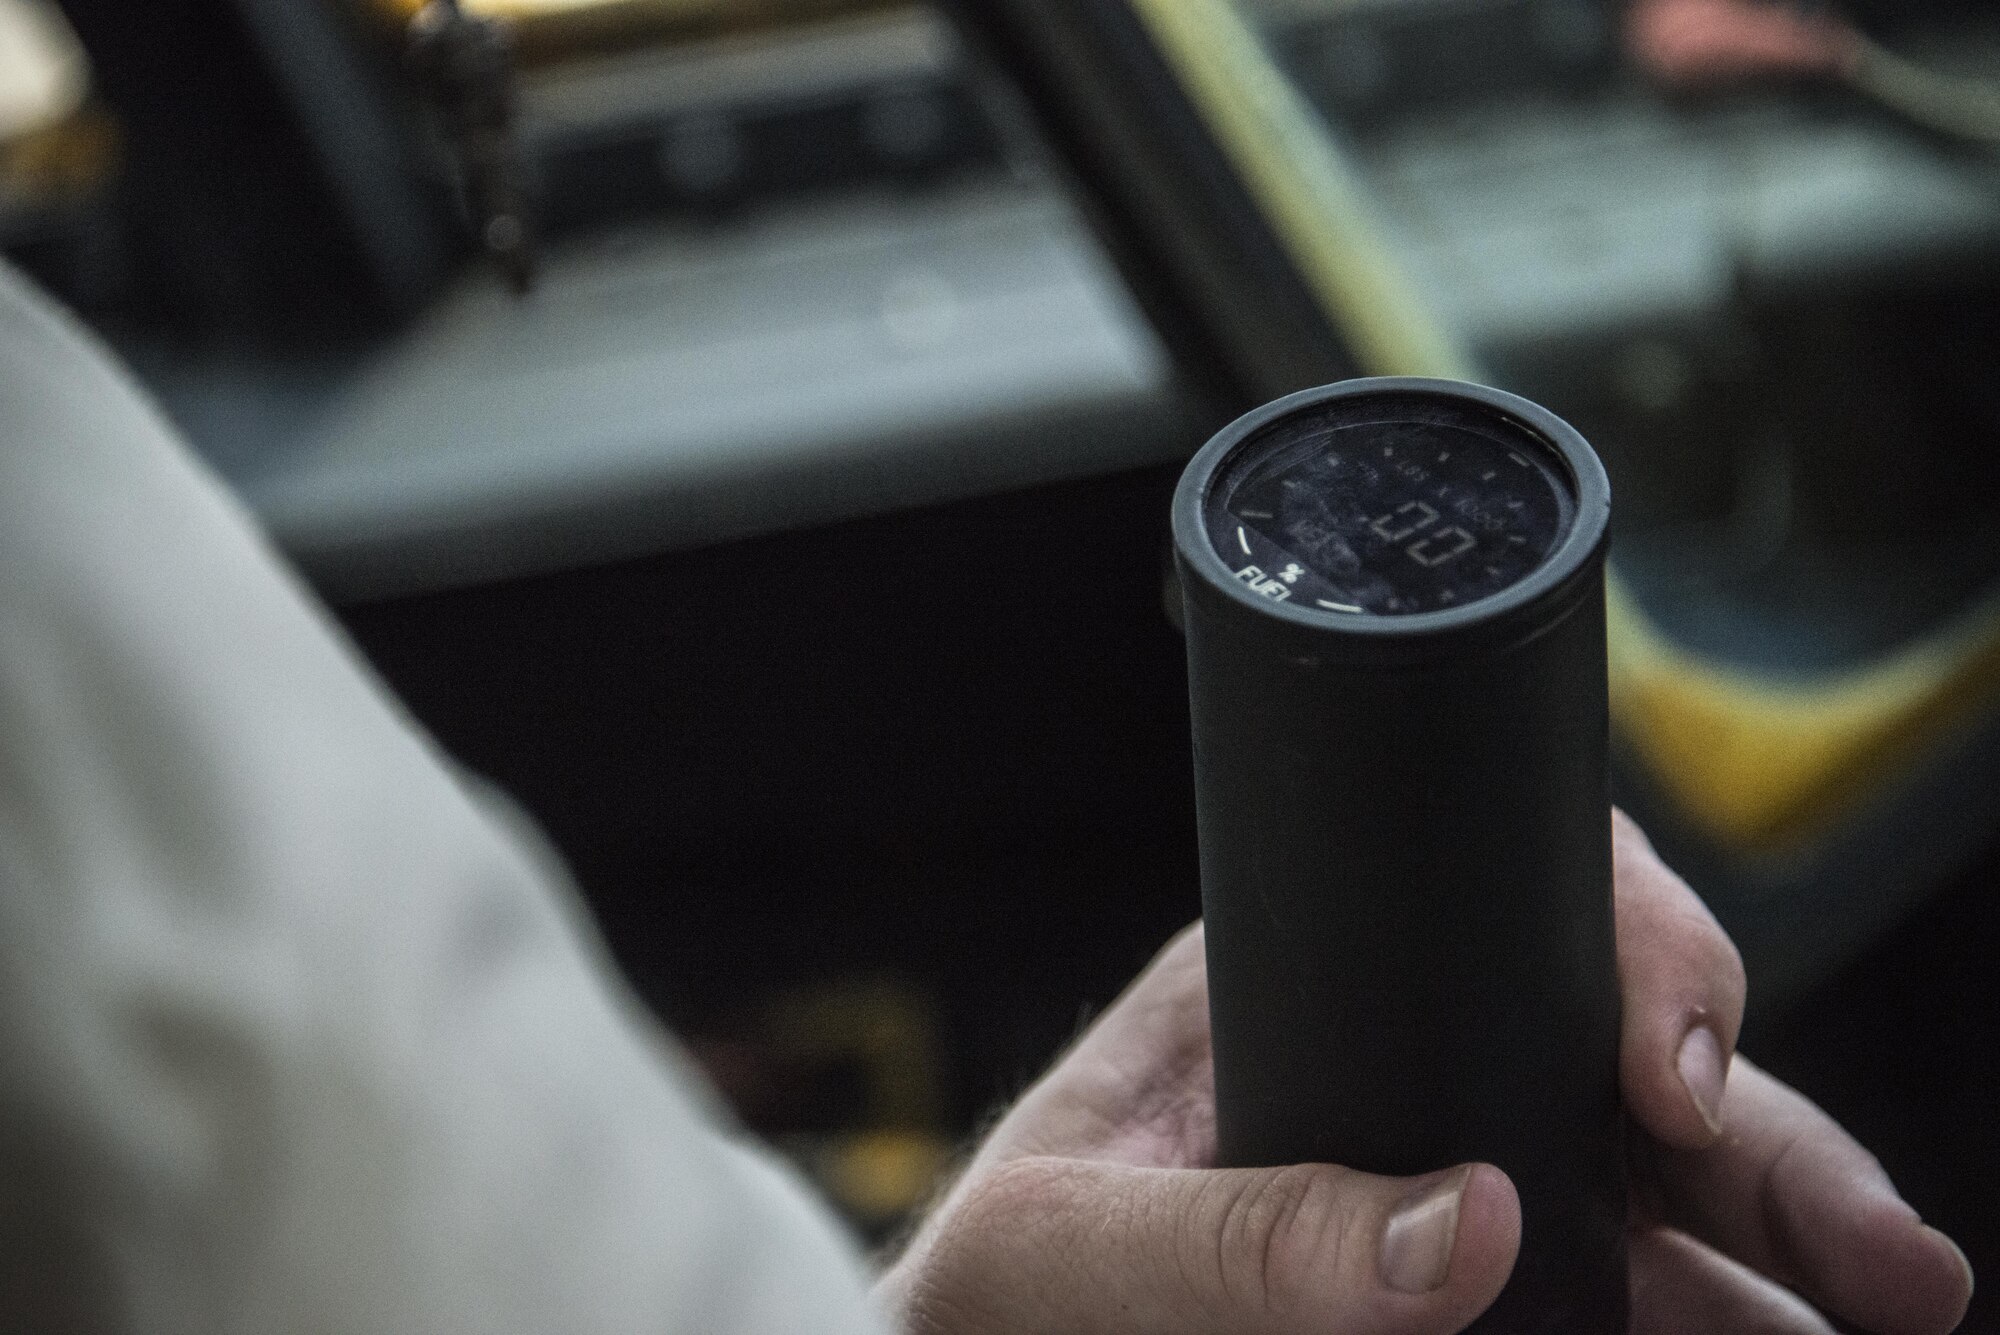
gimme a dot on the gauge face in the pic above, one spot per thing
(1388, 509)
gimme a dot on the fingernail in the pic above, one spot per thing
(1703, 1070)
(1417, 1244)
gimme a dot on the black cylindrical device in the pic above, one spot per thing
(1394, 599)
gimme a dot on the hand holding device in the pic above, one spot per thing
(1395, 626)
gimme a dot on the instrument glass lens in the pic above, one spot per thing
(1381, 509)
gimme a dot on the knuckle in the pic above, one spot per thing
(1728, 966)
(1678, 939)
(963, 1274)
(934, 1305)
(983, 1232)
(1280, 1238)
(1020, 1189)
(1713, 959)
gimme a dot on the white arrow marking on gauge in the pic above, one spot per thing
(1243, 538)
(1335, 607)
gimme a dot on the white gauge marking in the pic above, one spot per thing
(1519, 459)
(1336, 607)
(1263, 584)
(1244, 539)
(1446, 455)
(1493, 570)
(1255, 514)
(1517, 540)
(1486, 477)
(1385, 450)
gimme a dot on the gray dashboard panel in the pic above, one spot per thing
(681, 387)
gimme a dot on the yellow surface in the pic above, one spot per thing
(879, 1175)
(1305, 188)
(1763, 764)
(66, 160)
(1758, 764)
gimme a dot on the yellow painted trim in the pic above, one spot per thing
(1757, 763)
(1305, 188)
(1765, 764)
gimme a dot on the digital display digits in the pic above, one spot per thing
(1395, 515)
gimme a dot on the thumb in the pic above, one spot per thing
(1051, 1245)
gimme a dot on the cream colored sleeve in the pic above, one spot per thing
(297, 1034)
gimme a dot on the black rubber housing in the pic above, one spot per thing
(1406, 875)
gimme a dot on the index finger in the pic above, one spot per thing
(1682, 982)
